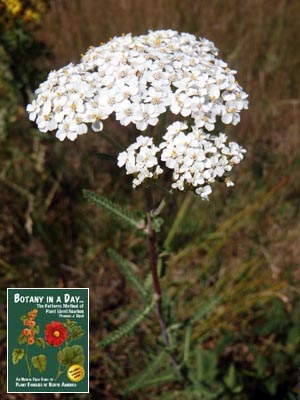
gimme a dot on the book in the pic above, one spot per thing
(47, 340)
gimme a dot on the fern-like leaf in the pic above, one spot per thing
(161, 379)
(128, 327)
(139, 381)
(128, 272)
(126, 217)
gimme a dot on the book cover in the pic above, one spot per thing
(48, 340)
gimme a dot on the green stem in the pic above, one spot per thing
(168, 192)
(27, 362)
(157, 211)
(60, 372)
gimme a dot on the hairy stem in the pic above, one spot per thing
(157, 289)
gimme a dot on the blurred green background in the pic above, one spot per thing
(242, 246)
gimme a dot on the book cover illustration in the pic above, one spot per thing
(47, 340)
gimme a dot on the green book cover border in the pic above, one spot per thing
(87, 334)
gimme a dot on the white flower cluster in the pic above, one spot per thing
(196, 158)
(140, 159)
(137, 79)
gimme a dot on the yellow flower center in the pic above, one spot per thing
(56, 333)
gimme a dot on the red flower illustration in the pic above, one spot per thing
(30, 340)
(55, 333)
(26, 332)
(29, 322)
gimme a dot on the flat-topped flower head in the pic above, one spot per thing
(136, 80)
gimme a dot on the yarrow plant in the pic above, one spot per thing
(176, 92)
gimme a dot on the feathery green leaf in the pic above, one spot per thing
(162, 378)
(125, 216)
(128, 326)
(128, 272)
(139, 381)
